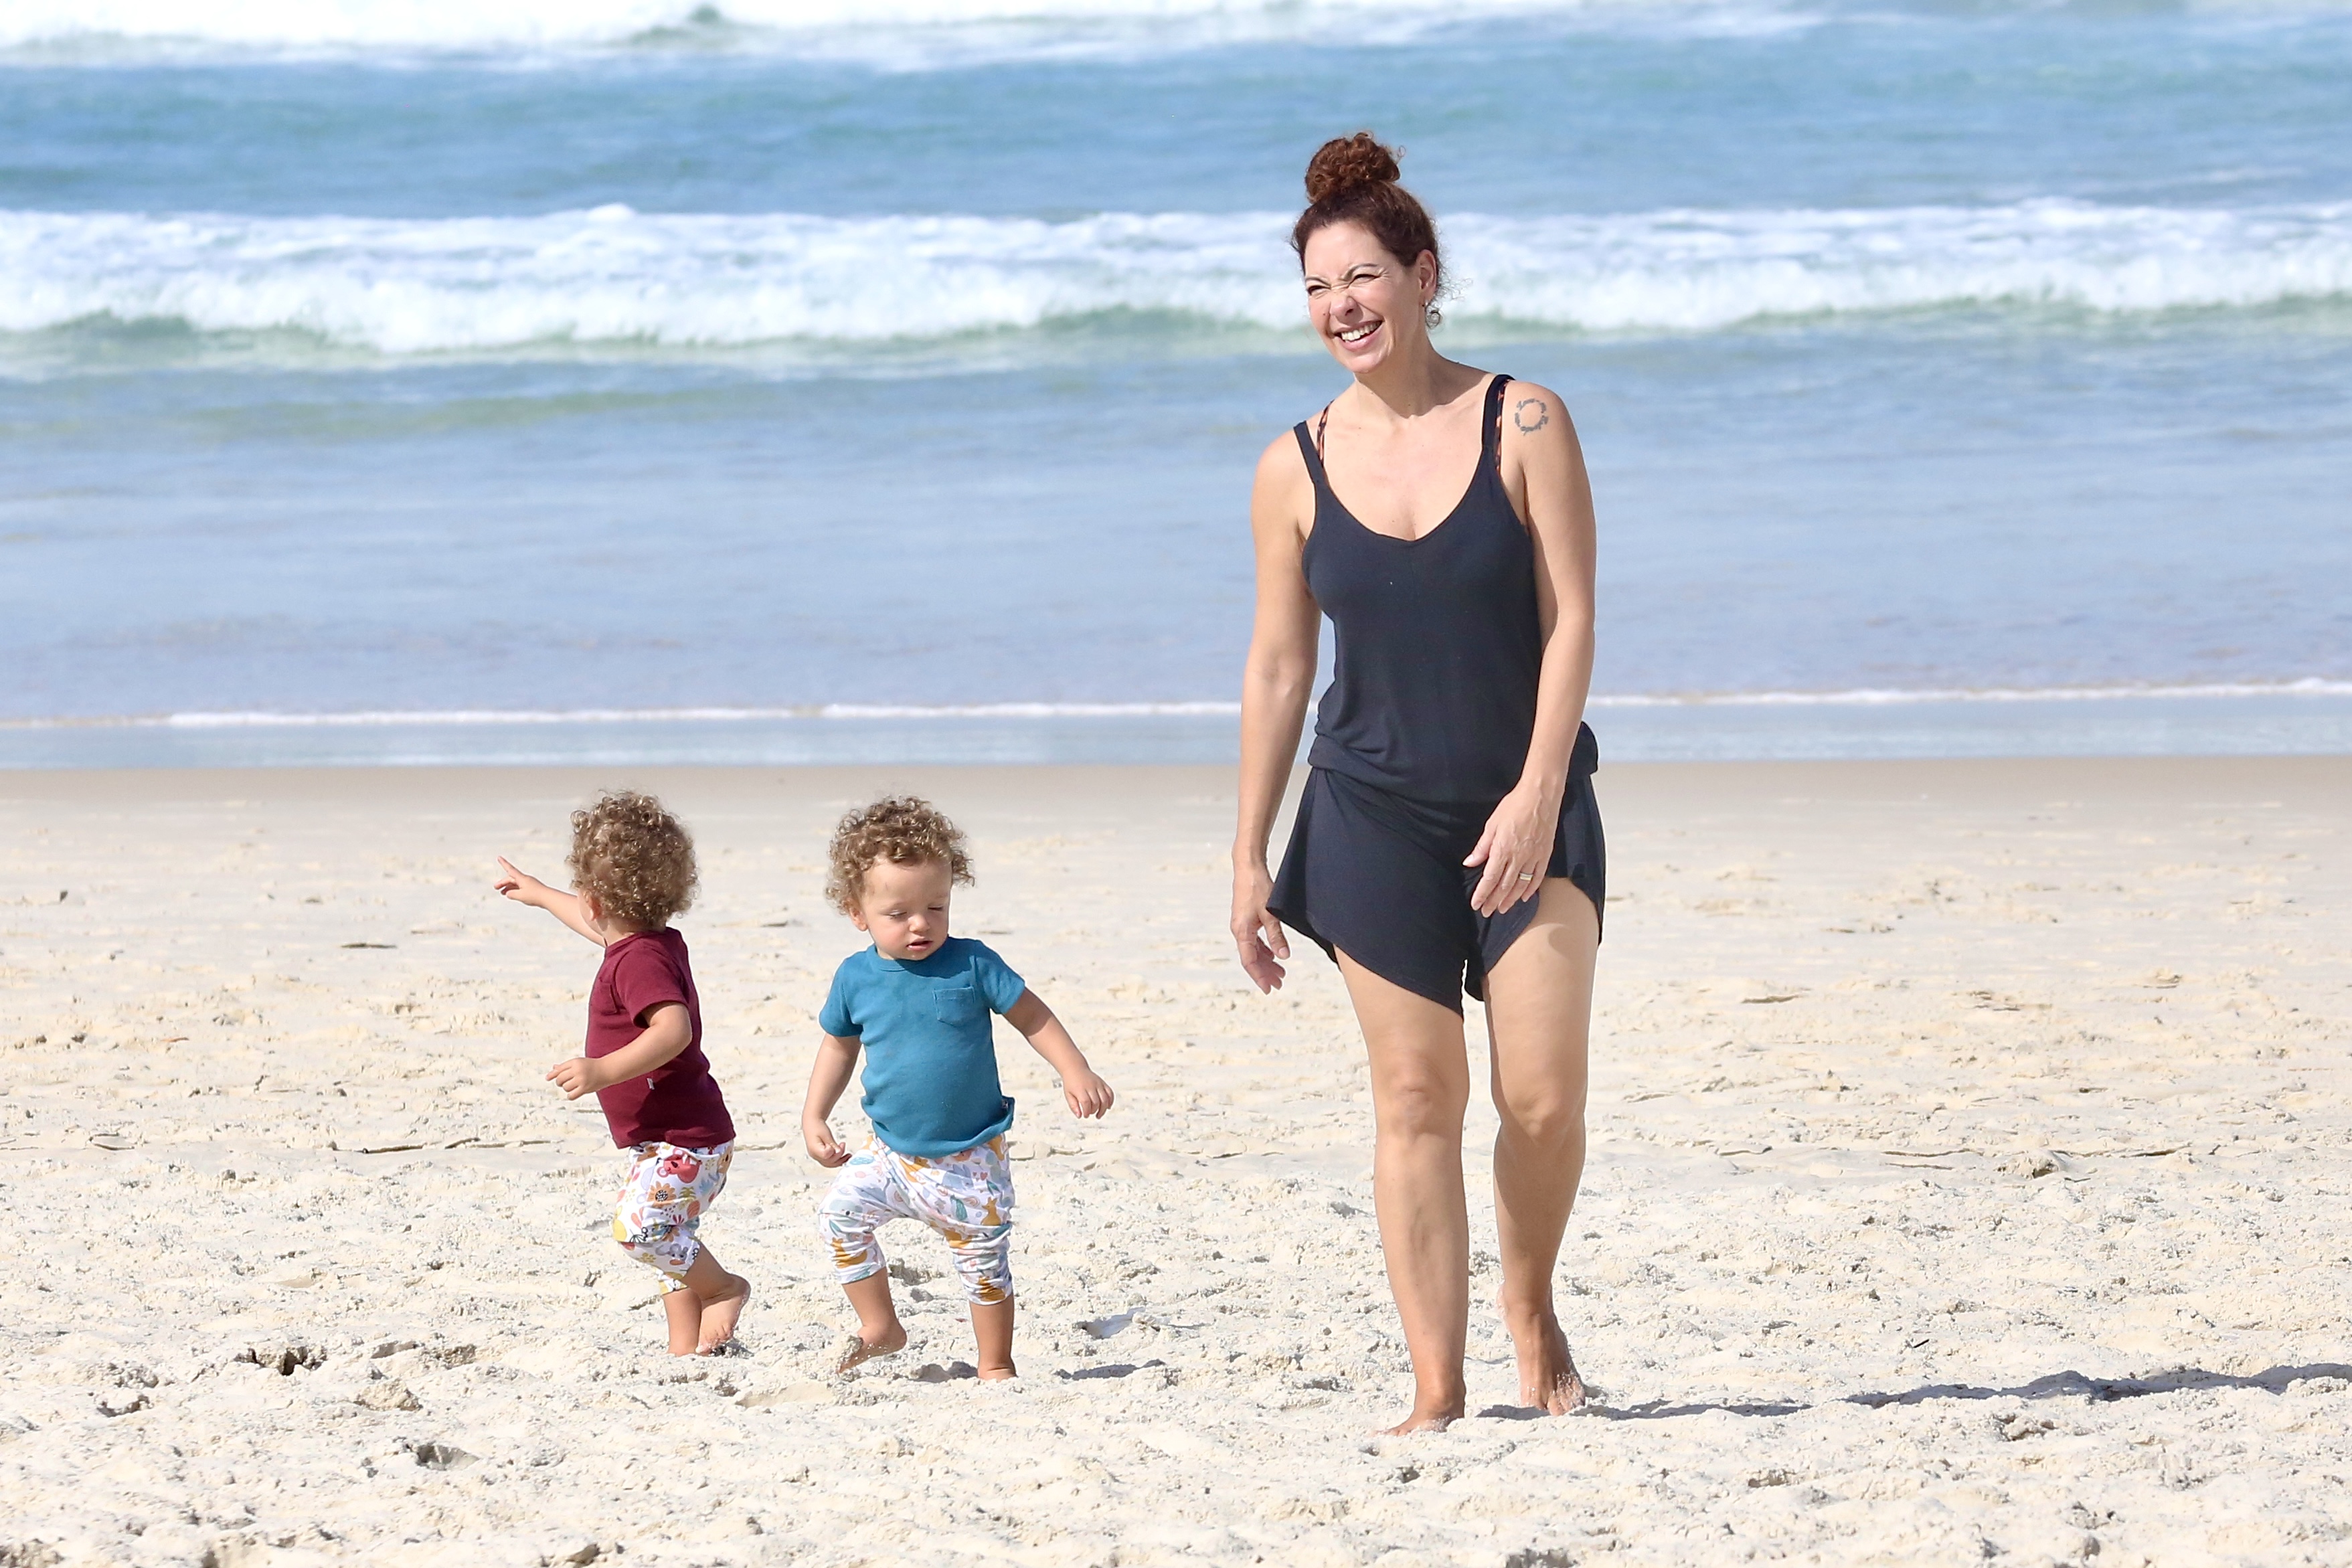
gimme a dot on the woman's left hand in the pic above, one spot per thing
(1515, 848)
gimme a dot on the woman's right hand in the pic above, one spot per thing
(1256, 933)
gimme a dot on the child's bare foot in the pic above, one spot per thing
(720, 1313)
(992, 1328)
(683, 1310)
(862, 1350)
(879, 1331)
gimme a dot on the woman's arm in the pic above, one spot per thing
(668, 1030)
(1543, 469)
(837, 1058)
(1276, 684)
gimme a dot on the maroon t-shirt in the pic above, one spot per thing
(678, 1102)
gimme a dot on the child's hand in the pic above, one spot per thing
(823, 1146)
(520, 885)
(577, 1077)
(1087, 1093)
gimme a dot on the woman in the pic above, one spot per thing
(1448, 839)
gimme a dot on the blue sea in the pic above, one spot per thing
(794, 380)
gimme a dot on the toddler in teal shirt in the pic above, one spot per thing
(919, 1006)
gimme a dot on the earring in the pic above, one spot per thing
(1436, 317)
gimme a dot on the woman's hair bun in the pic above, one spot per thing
(1346, 163)
(1353, 179)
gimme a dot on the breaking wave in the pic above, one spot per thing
(613, 275)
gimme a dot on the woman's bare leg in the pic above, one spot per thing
(1420, 1086)
(1539, 1021)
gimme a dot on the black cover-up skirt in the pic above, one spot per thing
(1380, 877)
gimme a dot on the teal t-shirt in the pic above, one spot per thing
(932, 1088)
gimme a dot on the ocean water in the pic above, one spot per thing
(410, 380)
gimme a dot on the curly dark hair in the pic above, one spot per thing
(901, 828)
(1353, 179)
(633, 857)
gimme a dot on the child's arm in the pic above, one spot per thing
(1082, 1087)
(668, 1030)
(525, 888)
(837, 1058)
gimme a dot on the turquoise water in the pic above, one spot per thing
(1955, 379)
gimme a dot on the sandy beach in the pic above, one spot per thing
(1967, 1183)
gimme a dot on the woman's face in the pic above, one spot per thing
(1361, 300)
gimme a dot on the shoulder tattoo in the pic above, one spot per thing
(1530, 414)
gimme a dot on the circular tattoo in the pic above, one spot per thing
(1528, 426)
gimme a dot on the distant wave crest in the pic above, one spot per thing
(890, 33)
(474, 25)
(612, 276)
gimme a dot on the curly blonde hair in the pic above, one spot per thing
(901, 828)
(633, 858)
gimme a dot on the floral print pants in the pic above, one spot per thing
(966, 1197)
(663, 1198)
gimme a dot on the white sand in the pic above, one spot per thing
(1968, 1181)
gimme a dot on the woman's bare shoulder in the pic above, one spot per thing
(1532, 409)
(1282, 467)
(1281, 449)
(1282, 499)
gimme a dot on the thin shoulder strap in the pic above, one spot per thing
(1490, 437)
(1310, 446)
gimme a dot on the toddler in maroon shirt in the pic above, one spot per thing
(633, 869)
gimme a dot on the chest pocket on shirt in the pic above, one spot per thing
(958, 1004)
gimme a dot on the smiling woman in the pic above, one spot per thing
(1448, 840)
(1353, 179)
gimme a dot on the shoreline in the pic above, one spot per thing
(2309, 775)
(1965, 1170)
(2286, 721)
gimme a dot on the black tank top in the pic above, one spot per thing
(1437, 645)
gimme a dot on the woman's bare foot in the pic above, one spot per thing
(998, 1374)
(862, 1349)
(1420, 1420)
(1548, 1377)
(720, 1314)
(1433, 1409)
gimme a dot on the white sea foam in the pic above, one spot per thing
(1907, 696)
(501, 25)
(883, 31)
(398, 717)
(2308, 686)
(611, 276)
(1694, 270)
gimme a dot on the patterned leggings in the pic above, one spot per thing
(966, 1197)
(663, 1198)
